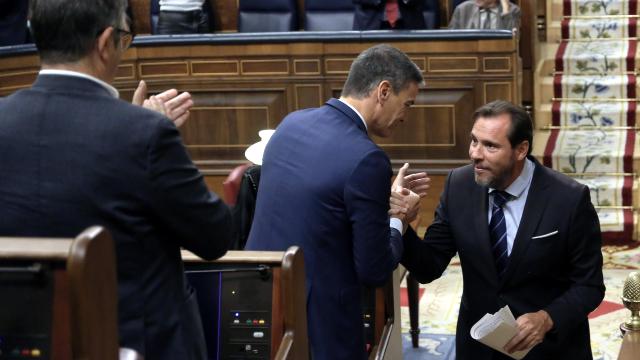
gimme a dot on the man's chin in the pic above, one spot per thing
(483, 181)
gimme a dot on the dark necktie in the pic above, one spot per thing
(498, 231)
(392, 11)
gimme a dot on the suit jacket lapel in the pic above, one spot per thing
(531, 216)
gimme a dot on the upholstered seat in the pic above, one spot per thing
(267, 16)
(328, 15)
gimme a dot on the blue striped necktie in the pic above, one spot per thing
(498, 231)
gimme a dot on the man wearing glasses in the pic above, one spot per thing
(74, 155)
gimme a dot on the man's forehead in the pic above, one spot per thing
(494, 125)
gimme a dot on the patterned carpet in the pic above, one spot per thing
(440, 301)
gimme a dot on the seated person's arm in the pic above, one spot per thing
(510, 15)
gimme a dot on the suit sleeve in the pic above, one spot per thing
(585, 274)
(456, 20)
(367, 2)
(198, 219)
(376, 247)
(427, 259)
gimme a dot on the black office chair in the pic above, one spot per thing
(267, 16)
(328, 15)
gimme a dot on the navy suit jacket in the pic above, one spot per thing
(325, 187)
(558, 272)
(369, 14)
(73, 156)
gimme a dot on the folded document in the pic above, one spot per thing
(495, 331)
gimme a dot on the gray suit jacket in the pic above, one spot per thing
(467, 16)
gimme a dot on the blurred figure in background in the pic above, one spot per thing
(182, 17)
(388, 14)
(486, 14)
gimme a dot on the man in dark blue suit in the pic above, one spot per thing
(74, 155)
(325, 186)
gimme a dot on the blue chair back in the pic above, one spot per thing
(267, 15)
(431, 14)
(328, 15)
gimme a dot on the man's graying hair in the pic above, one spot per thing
(378, 63)
(65, 30)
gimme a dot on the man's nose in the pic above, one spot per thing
(475, 153)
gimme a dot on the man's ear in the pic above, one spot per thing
(103, 42)
(522, 149)
(384, 91)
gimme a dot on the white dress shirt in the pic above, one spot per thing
(113, 91)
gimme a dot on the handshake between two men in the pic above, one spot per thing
(406, 192)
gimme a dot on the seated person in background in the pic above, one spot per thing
(13, 22)
(486, 14)
(182, 17)
(388, 14)
(75, 155)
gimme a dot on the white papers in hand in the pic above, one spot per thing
(495, 331)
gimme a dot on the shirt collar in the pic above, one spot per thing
(108, 87)
(356, 111)
(522, 182)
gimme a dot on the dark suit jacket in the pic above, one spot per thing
(369, 14)
(325, 187)
(561, 273)
(73, 156)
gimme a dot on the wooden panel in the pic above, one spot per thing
(308, 96)
(438, 126)
(264, 67)
(239, 89)
(337, 66)
(164, 69)
(496, 64)
(497, 90)
(224, 122)
(420, 62)
(216, 67)
(306, 66)
(17, 80)
(126, 72)
(453, 64)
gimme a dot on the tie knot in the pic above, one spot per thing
(500, 197)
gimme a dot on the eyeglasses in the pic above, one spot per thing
(126, 38)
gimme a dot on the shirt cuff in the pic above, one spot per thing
(396, 224)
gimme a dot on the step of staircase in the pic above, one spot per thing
(548, 53)
(545, 90)
(609, 161)
(592, 28)
(555, 11)
(543, 116)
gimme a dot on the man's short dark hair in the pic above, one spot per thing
(65, 30)
(521, 125)
(378, 63)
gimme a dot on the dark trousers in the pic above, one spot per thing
(183, 22)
